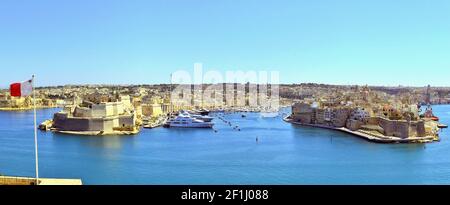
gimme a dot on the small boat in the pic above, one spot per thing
(152, 125)
(149, 126)
(203, 118)
(220, 110)
(204, 111)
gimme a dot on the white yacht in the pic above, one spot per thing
(186, 121)
(198, 117)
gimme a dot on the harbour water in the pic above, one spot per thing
(284, 154)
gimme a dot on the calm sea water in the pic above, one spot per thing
(285, 154)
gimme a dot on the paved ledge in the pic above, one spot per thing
(46, 181)
(97, 133)
(10, 180)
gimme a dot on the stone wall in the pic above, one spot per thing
(127, 121)
(302, 112)
(152, 110)
(298, 108)
(340, 117)
(99, 110)
(421, 129)
(303, 118)
(62, 122)
(82, 112)
(109, 109)
(403, 129)
(353, 124)
(395, 128)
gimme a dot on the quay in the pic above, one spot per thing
(369, 137)
(10, 180)
(25, 108)
(97, 133)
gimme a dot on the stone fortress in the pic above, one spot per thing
(100, 118)
(370, 114)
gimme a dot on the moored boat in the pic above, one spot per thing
(187, 121)
(203, 118)
(204, 111)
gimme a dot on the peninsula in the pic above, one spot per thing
(373, 115)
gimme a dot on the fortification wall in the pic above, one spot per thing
(403, 129)
(303, 118)
(82, 112)
(99, 110)
(126, 121)
(63, 123)
(353, 124)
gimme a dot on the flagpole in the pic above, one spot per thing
(35, 133)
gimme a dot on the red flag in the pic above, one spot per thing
(21, 89)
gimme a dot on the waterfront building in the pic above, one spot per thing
(302, 112)
(360, 114)
(153, 110)
(136, 102)
(16, 102)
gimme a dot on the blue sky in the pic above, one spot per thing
(375, 42)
